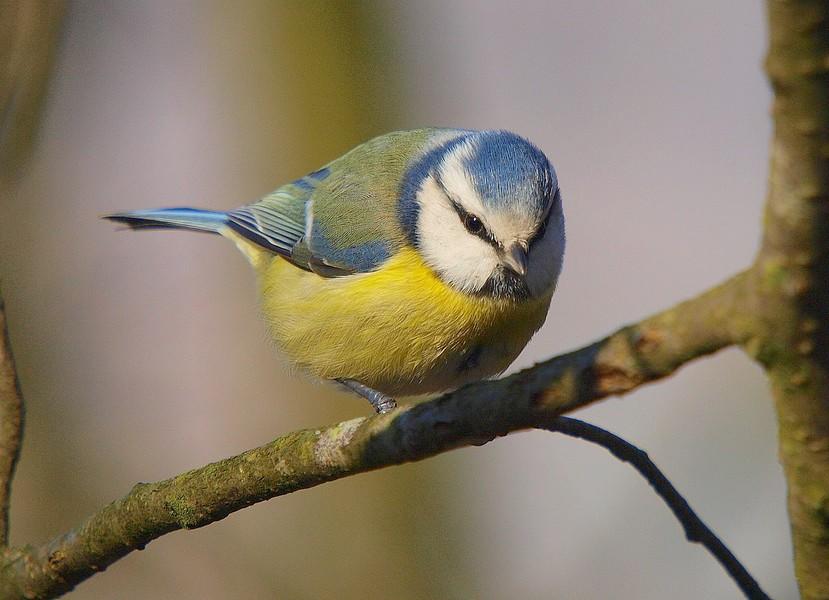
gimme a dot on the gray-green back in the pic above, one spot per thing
(351, 204)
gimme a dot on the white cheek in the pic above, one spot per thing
(461, 259)
(546, 258)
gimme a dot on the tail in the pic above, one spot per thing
(175, 218)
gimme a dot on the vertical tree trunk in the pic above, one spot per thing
(28, 35)
(793, 276)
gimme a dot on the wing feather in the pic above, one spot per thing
(275, 232)
(352, 204)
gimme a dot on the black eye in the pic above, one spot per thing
(473, 224)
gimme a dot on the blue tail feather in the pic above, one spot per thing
(175, 218)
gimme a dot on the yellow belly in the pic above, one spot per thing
(399, 330)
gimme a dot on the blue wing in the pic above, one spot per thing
(339, 220)
(268, 223)
(344, 218)
(278, 222)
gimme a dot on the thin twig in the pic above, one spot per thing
(11, 423)
(695, 529)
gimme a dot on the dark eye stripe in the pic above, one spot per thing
(467, 217)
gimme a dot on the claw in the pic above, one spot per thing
(379, 401)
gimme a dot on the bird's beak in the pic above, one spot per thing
(515, 257)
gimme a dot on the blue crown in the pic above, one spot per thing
(510, 173)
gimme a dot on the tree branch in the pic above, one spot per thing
(473, 415)
(11, 423)
(695, 529)
(28, 34)
(792, 274)
(777, 311)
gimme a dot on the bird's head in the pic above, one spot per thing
(484, 211)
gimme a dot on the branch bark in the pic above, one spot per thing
(28, 35)
(11, 423)
(777, 310)
(792, 273)
(473, 415)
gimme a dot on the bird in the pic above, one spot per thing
(417, 262)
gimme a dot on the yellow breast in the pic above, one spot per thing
(399, 329)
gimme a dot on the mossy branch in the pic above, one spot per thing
(473, 415)
(792, 339)
(11, 423)
(28, 34)
(778, 311)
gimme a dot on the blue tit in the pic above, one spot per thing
(417, 262)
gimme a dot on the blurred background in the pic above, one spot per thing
(142, 355)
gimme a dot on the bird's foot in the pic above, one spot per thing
(379, 401)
